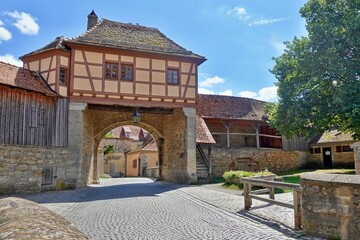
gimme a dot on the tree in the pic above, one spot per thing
(318, 76)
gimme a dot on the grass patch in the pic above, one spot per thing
(232, 178)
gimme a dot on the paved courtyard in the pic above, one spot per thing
(138, 208)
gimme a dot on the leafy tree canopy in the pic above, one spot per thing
(318, 76)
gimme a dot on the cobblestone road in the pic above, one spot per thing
(139, 208)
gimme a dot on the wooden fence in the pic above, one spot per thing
(30, 118)
(268, 182)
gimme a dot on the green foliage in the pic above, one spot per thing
(108, 149)
(318, 76)
(233, 177)
(109, 135)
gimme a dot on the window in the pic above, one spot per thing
(347, 149)
(172, 76)
(135, 163)
(62, 76)
(126, 72)
(111, 70)
(315, 150)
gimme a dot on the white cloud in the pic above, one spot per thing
(248, 94)
(209, 82)
(25, 22)
(268, 94)
(239, 12)
(277, 45)
(205, 91)
(266, 21)
(5, 35)
(226, 93)
(8, 58)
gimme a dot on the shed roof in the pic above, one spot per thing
(25, 79)
(226, 107)
(203, 134)
(332, 136)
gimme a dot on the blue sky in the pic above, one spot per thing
(238, 38)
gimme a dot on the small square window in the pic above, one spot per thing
(111, 70)
(126, 72)
(315, 150)
(62, 76)
(173, 76)
(347, 149)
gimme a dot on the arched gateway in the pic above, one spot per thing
(108, 73)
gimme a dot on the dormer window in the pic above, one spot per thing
(62, 76)
(111, 70)
(173, 76)
(126, 72)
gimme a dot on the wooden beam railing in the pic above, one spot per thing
(203, 156)
(271, 185)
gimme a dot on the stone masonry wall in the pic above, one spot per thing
(271, 159)
(339, 159)
(21, 167)
(331, 205)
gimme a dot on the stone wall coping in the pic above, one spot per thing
(332, 179)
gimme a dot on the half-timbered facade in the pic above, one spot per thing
(118, 63)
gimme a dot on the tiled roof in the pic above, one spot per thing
(152, 146)
(22, 78)
(131, 37)
(58, 43)
(332, 137)
(226, 107)
(203, 134)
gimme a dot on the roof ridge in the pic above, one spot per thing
(10, 64)
(225, 96)
(87, 31)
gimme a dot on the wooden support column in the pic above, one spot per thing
(227, 125)
(247, 198)
(256, 126)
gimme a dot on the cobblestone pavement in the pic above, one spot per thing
(138, 208)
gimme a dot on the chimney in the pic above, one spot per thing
(92, 20)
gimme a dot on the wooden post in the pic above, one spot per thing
(227, 125)
(271, 192)
(256, 126)
(297, 209)
(247, 198)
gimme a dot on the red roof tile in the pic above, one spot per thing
(203, 134)
(22, 78)
(226, 107)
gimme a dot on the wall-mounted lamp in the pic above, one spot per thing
(136, 115)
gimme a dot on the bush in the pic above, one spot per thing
(233, 177)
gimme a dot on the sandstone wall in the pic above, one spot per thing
(21, 167)
(272, 159)
(331, 205)
(339, 159)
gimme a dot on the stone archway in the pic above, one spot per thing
(173, 129)
(158, 136)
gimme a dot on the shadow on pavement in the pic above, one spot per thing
(103, 192)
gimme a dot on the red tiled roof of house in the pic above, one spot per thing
(203, 134)
(332, 136)
(226, 107)
(128, 36)
(22, 78)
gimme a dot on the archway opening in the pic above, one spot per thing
(128, 151)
